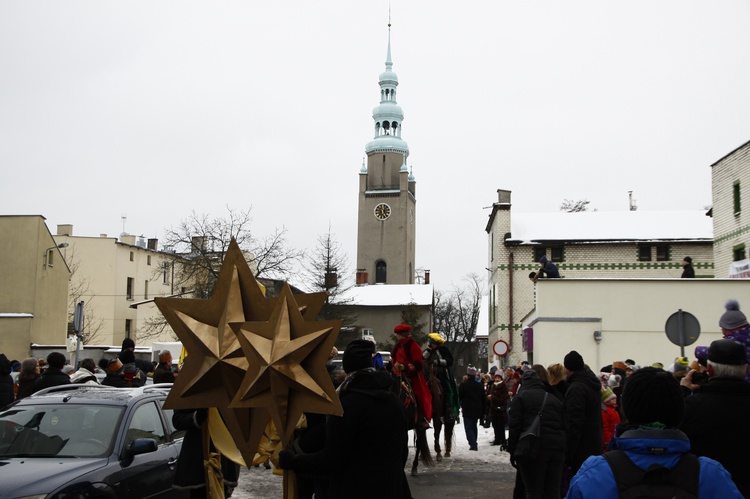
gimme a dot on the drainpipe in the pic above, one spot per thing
(510, 302)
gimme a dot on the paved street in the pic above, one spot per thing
(484, 473)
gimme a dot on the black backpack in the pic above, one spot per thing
(681, 482)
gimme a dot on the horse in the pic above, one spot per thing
(414, 416)
(442, 414)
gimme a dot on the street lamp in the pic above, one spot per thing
(47, 260)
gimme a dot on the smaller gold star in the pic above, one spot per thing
(286, 365)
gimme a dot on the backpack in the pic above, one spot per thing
(681, 482)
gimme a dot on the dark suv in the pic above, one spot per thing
(88, 441)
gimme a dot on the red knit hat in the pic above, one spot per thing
(404, 329)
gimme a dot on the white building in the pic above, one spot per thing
(730, 189)
(608, 245)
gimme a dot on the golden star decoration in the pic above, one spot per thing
(286, 365)
(216, 364)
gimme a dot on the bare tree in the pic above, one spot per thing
(195, 249)
(575, 206)
(199, 243)
(79, 289)
(456, 316)
(327, 269)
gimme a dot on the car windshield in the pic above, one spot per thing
(48, 430)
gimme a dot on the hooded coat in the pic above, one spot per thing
(583, 417)
(366, 448)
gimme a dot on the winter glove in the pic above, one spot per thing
(286, 459)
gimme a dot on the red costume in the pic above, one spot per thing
(408, 353)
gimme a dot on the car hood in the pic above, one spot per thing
(24, 476)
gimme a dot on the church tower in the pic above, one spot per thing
(387, 195)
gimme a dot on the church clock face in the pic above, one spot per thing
(382, 211)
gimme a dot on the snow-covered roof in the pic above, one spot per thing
(383, 295)
(611, 226)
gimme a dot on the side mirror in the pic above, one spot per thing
(140, 446)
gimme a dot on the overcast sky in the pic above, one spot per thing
(156, 108)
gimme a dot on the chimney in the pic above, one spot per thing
(427, 276)
(503, 196)
(152, 244)
(65, 230)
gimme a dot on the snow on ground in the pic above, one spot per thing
(257, 483)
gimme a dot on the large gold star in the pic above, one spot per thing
(215, 365)
(286, 365)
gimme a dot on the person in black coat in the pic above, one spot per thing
(541, 475)
(583, 413)
(163, 372)
(473, 404)
(717, 412)
(366, 448)
(26, 378)
(53, 375)
(6, 382)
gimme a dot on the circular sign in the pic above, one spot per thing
(682, 328)
(500, 348)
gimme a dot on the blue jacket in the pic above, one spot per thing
(595, 478)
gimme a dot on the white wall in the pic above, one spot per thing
(630, 313)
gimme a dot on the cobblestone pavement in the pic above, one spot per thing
(465, 474)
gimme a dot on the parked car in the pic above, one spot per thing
(88, 441)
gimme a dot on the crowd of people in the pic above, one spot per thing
(122, 370)
(664, 430)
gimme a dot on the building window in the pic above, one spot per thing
(128, 325)
(381, 270)
(662, 253)
(739, 253)
(557, 254)
(50, 258)
(736, 196)
(148, 259)
(131, 256)
(145, 290)
(539, 251)
(644, 252)
(129, 291)
(164, 272)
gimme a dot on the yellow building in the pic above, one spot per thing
(34, 286)
(110, 275)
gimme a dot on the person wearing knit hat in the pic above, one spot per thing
(718, 410)
(610, 417)
(583, 418)
(128, 345)
(473, 400)
(133, 376)
(406, 358)
(163, 372)
(114, 375)
(735, 327)
(365, 448)
(653, 406)
(438, 363)
(53, 375)
(573, 361)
